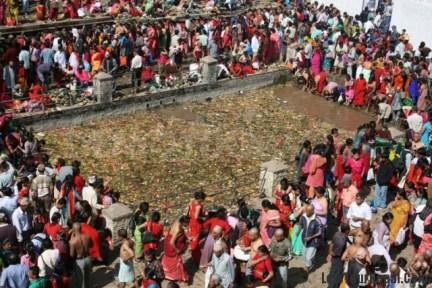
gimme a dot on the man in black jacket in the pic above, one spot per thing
(385, 172)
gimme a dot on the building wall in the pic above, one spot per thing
(413, 15)
(416, 17)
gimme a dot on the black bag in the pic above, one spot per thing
(148, 237)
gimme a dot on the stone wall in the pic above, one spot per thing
(68, 116)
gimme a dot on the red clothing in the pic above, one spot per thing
(195, 228)
(357, 171)
(24, 192)
(157, 230)
(94, 236)
(263, 267)
(284, 211)
(148, 282)
(52, 230)
(213, 222)
(360, 88)
(172, 262)
(79, 182)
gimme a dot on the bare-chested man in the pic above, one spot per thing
(126, 272)
(351, 251)
(79, 245)
(364, 232)
(420, 264)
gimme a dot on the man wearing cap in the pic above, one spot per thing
(21, 219)
(41, 189)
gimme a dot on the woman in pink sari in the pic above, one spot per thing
(316, 170)
(269, 221)
(316, 63)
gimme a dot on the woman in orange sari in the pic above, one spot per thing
(284, 206)
(400, 208)
(196, 214)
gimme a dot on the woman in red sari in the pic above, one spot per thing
(262, 266)
(40, 11)
(360, 89)
(175, 245)
(153, 226)
(196, 215)
(69, 192)
(285, 210)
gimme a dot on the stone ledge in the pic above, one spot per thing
(77, 115)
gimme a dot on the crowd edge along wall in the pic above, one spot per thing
(416, 17)
(352, 7)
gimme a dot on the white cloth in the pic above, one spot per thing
(362, 211)
(62, 220)
(415, 122)
(378, 249)
(418, 227)
(47, 261)
(90, 195)
(136, 62)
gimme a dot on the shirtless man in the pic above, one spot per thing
(351, 251)
(79, 246)
(255, 242)
(126, 272)
(364, 232)
(420, 264)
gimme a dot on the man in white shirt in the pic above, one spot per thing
(60, 58)
(59, 208)
(136, 66)
(48, 259)
(21, 220)
(255, 44)
(415, 121)
(90, 192)
(24, 57)
(358, 211)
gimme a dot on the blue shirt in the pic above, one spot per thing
(425, 138)
(8, 205)
(14, 276)
(7, 177)
(47, 56)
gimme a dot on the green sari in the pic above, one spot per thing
(296, 240)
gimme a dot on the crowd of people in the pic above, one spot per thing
(51, 228)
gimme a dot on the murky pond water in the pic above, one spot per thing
(166, 153)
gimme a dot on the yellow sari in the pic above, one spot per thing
(400, 210)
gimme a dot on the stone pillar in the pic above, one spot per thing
(103, 87)
(209, 70)
(117, 216)
(271, 173)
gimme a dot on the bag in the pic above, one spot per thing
(123, 61)
(402, 181)
(148, 237)
(401, 236)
